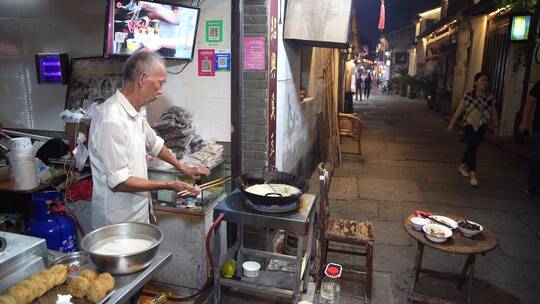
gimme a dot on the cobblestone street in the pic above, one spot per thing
(410, 162)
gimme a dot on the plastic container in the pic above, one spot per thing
(251, 269)
(24, 173)
(331, 285)
(20, 143)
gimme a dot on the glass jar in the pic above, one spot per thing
(331, 284)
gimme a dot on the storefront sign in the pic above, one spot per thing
(214, 30)
(272, 81)
(206, 63)
(223, 61)
(254, 53)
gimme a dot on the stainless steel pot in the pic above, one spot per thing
(123, 263)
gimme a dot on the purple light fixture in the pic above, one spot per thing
(51, 68)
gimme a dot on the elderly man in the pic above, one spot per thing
(120, 138)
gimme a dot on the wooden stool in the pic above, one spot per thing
(359, 235)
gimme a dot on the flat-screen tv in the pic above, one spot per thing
(165, 27)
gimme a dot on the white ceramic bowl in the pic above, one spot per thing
(469, 232)
(251, 269)
(419, 222)
(430, 229)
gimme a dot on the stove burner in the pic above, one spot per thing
(273, 208)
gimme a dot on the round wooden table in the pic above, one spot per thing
(458, 244)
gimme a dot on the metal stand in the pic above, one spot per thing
(300, 222)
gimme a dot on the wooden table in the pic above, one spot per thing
(458, 244)
(18, 201)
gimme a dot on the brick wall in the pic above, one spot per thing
(254, 90)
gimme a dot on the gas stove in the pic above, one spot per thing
(273, 208)
(21, 256)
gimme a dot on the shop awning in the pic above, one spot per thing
(321, 23)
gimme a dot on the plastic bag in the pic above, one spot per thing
(80, 152)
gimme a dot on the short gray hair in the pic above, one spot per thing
(139, 63)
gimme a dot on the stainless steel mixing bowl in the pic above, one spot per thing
(123, 263)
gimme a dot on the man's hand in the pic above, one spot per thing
(197, 172)
(180, 186)
(450, 127)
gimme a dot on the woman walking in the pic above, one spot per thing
(478, 107)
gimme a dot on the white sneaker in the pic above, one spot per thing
(474, 182)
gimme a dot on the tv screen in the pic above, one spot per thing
(164, 27)
(519, 30)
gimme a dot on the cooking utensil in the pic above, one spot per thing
(271, 175)
(207, 185)
(123, 263)
(430, 217)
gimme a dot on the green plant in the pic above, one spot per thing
(517, 5)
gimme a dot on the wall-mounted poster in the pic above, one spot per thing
(254, 53)
(93, 80)
(214, 30)
(223, 61)
(206, 63)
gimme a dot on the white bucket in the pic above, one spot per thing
(24, 172)
(23, 154)
(20, 143)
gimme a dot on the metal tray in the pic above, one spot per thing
(75, 262)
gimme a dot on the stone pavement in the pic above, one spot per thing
(409, 162)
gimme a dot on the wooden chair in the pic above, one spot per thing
(350, 125)
(335, 232)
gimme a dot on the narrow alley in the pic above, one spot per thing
(409, 163)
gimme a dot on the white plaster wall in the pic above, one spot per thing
(296, 123)
(76, 27)
(209, 98)
(27, 27)
(460, 68)
(478, 26)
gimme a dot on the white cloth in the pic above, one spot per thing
(120, 138)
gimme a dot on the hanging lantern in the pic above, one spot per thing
(381, 17)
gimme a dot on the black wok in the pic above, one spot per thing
(271, 175)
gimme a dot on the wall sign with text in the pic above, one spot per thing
(206, 63)
(254, 53)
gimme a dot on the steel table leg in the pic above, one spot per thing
(309, 250)
(417, 264)
(216, 254)
(239, 257)
(297, 275)
(471, 278)
(465, 270)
